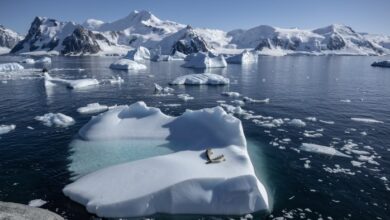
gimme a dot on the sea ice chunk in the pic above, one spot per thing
(28, 61)
(8, 67)
(37, 203)
(126, 64)
(43, 60)
(366, 120)
(72, 84)
(4, 129)
(92, 108)
(320, 149)
(199, 79)
(297, 123)
(176, 183)
(56, 119)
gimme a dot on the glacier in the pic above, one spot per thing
(229, 187)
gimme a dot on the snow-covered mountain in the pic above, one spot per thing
(333, 39)
(8, 39)
(56, 37)
(142, 28)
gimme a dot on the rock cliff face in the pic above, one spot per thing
(81, 41)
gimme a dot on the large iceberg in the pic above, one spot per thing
(384, 63)
(204, 60)
(7, 67)
(126, 64)
(138, 54)
(243, 58)
(182, 182)
(72, 84)
(199, 79)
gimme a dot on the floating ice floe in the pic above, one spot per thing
(126, 64)
(72, 84)
(176, 183)
(345, 100)
(297, 123)
(56, 119)
(366, 120)
(250, 100)
(8, 67)
(320, 149)
(28, 61)
(384, 63)
(327, 122)
(4, 129)
(116, 80)
(313, 119)
(158, 88)
(243, 58)
(200, 79)
(311, 134)
(92, 108)
(231, 94)
(338, 169)
(185, 97)
(138, 54)
(204, 60)
(37, 203)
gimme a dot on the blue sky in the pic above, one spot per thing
(362, 15)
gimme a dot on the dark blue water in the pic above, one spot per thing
(34, 163)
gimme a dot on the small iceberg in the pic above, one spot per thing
(72, 84)
(4, 129)
(244, 58)
(182, 182)
(126, 64)
(297, 123)
(384, 63)
(56, 119)
(320, 149)
(160, 89)
(231, 94)
(201, 79)
(204, 60)
(8, 67)
(138, 54)
(92, 108)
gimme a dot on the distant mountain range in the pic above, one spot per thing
(142, 28)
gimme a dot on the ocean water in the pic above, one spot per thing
(37, 163)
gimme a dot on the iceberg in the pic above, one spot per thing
(56, 119)
(92, 108)
(231, 94)
(204, 60)
(243, 58)
(4, 129)
(200, 79)
(138, 54)
(297, 123)
(126, 64)
(384, 63)
(181, 182)
(320, 149)
(72, 84)
(8, 67)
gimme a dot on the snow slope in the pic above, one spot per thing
(142, 188)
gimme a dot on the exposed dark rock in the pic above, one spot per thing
(189, 43)
(81, 41)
